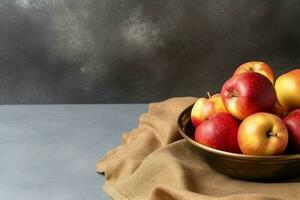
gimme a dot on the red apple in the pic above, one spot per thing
(248, 93)
(256, 66)
(206, 107)
(263, 134)
(292, 122)
(219, 132)
(279, 110)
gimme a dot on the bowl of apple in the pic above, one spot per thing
(251, 129)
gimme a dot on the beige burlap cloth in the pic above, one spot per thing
(155, 163)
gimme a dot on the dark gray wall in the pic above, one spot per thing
(100, 51)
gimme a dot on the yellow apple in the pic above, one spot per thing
(206, 107)
(287, 87)
(258, 67)
(262, 134)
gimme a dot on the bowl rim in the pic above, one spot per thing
(287, 157)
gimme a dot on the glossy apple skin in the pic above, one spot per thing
(206, 107)
(287, 87)
(263, 134)
(292, 122)
(219, 132)
(248, 93)
(256, 66)
(279, 110)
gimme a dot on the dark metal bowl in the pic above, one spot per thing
(247, 167)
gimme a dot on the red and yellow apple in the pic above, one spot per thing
(287, 87)
(263, 134)
(256, 66)
(292, 122)
(206, 107)
(219, 132)
(247, 93)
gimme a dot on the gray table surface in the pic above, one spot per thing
(50, 151)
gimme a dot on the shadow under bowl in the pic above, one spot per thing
(246, 167)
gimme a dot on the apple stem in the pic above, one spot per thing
(233, 94)
(271, 134)
(208, 94)
(252, 67)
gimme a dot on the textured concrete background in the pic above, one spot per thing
(100, 51)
